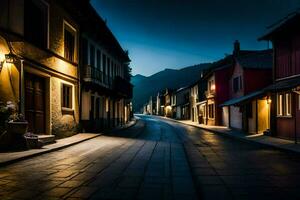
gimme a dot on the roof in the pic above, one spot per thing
(228, 61)
(284, 84)
(287, 22)
(239, 100)
(257, 60)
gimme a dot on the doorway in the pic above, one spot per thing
(35, 103)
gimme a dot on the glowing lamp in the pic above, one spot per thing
(10, 58)
(269, 100)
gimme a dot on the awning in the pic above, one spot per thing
(239, 100)
(284, 85)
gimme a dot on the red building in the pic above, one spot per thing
(285, 90)
(218, 89)
(248, 107)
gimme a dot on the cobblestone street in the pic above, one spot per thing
(155, 159)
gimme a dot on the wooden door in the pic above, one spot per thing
(35, 103)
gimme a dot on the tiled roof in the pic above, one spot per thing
(257, 60)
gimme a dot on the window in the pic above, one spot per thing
(104, 63)
(279, 105)
(108, 67)
(288, 104)
(237, 84)
(211, 112)
(66, 96)
(36, 15)
(69, 42)
(99, 59)
(284, 104)
(92, 55)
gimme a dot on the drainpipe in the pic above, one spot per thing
(21, 88)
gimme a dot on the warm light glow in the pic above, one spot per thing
(2, 61)
(213, 87)
(9, 58)
(168, 107)
(269, 100)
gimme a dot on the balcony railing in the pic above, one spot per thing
(118, 84)
(92, 74)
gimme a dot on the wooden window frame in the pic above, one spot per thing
(284, 104)
(69, 105)
(279, 105)
(288, 104)
(68, 27)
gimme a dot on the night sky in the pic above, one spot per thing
(163, 34)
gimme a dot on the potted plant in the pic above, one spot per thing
(32, 141)
(16, 122)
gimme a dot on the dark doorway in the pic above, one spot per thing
(35, 103)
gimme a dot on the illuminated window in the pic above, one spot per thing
(66, 96)
(69, 42)
(288, 106)
(284, 105)
(279, 104)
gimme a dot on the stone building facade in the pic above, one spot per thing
(43, 38)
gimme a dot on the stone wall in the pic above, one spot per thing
(63, 124)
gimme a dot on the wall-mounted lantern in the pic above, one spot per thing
(269, 100)
(10, 58)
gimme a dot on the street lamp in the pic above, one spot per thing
(11, 58)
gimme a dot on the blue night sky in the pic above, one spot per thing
(163, 34)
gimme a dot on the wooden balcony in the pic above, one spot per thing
(94, 75)
(117, 85)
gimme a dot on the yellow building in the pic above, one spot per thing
(43, 39)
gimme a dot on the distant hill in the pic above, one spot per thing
(144, 87)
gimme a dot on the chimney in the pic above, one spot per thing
(236, 48)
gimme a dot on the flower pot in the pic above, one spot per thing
(32, 143)
(17, 128)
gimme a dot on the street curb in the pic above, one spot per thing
(5, 163)
(236, 137)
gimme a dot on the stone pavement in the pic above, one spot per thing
(147, 161)
(286, 145)
(156, 159)
(10, 157)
